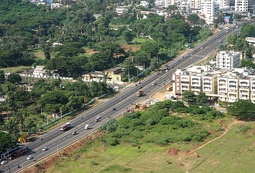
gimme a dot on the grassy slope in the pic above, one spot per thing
(231, 153)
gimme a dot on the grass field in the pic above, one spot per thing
(233, 152)
(14, 69)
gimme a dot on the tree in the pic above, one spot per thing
(14, 78)
(193, 19)
(188, 96)
(2, 77)
(201, 98)
(53, 97)
(242, 109)
(6, 141)
(128, 36)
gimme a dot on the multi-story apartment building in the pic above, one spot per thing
(244, 5)
(226, 85)
(209, 8)
(228, 59)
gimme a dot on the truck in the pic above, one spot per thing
(139, 93)
(65, 126)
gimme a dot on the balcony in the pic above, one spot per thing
(185, 79)
(232, 83)
(207, 80)
(222, 81)
(207, 84)
(195, 79)
(244, 84)
(195, 84)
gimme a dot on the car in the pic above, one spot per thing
(30, 157)
(154, 83)
(86, 127)
(3, 162)
(44, 149)
(74, 133)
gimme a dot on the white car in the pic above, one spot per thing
(44, 149)
(30, 157)
(86, 127)
(3, 162)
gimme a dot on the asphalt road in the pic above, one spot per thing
(56, 140)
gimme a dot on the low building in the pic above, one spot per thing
(121, 10)
(97, 76)
(39, 71)
(113, 75)
(250, 40)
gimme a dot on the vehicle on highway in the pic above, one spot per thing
(44, 149)
(98, 119)
(114, 109)
(139, 93)
(30, 157)
(20, 151)
(65, 126)
(86, 127)
(154, 83)
(3, 162)
(74, 133)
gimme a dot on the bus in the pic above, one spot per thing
(20, 151)
(65, 126)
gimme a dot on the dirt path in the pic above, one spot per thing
(210, 141)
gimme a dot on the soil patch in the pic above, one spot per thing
(172, 151)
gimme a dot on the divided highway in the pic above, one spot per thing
(56, 140)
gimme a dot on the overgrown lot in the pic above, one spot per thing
(168, 138)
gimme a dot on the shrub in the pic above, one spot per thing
(244, 129)
(112, 141)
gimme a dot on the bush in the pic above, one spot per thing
(244, 129)
(112, 141)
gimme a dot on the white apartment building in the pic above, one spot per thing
(244, 5)
(209, 9)
(228, 59)
(250, 40)
(223, 4)
(226, 85)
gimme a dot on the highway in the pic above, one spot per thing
(56, 140)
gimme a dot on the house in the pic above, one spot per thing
(121, 10)
(114, 75)
(39, 71)
(97, 76)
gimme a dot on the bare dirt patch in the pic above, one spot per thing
(132, 48)
(172, 151)
(90, 51)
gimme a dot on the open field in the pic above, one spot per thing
(14, 69)
(232, 151)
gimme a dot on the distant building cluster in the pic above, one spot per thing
(205, 9)
(224, 81)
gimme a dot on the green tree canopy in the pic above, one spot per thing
(14, 78)
(242, 109)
